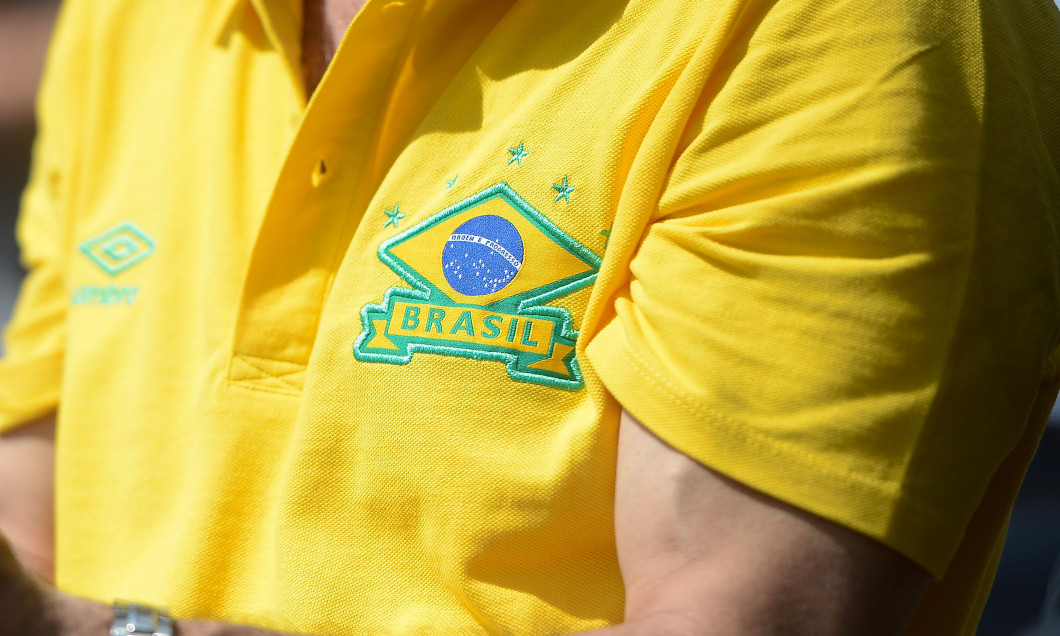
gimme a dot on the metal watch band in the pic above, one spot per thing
(135, 618)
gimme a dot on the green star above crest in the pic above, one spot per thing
(393, 216)
(564, 189)
(607, 234)
(518, 154)
(452, 182)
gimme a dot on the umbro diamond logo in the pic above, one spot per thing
(114, 251)
(119, 248)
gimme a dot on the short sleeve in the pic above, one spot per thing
(31, 369)
(831, 305)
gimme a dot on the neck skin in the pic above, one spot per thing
(324, 23)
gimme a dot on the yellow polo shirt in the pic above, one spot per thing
(355, 367)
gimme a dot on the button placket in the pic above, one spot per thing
(313, 203)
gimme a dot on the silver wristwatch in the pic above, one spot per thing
(133, 618)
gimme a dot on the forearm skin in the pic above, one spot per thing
(28, 606)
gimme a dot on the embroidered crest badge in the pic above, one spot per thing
(482, 273)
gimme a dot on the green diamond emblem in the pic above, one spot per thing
(119, 248)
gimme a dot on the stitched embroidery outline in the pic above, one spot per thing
(482, 272)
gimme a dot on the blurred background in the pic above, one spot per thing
(24, 30)
(1017, 604)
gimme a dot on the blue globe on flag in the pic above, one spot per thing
(483, 255)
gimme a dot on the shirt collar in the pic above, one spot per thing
(281, 20)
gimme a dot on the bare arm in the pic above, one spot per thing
(27, 468)
(29, 607)
(702, 554)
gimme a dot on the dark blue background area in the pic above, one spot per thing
(1031, 548)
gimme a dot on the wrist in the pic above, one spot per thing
(35, 563)
(73, 616)
(194, 628)
(23, 606)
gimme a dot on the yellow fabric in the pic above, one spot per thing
(825, 239)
